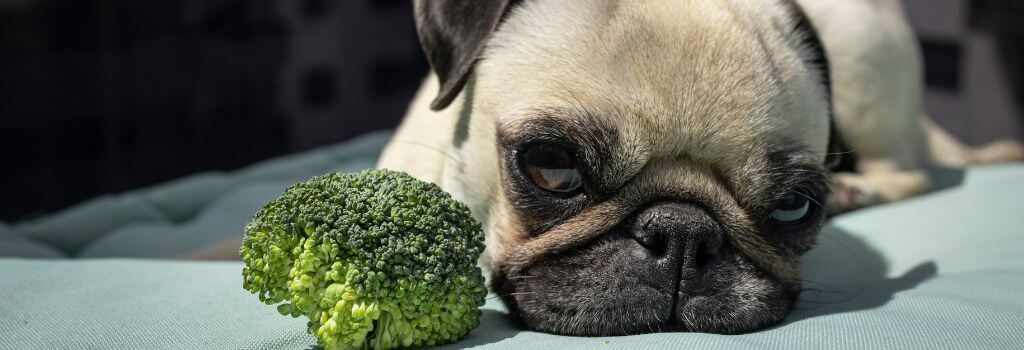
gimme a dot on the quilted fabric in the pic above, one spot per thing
(177, 217)
(940, 271)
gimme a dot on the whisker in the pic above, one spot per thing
(839, 301)
(432, 148)
(579, 104)
(461, 180)
(860, 263)
(839, 153)
(809, 198)
(815, 282)
(821, 291)
(521, 293)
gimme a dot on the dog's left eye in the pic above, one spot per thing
(793, 208)
(551, 168)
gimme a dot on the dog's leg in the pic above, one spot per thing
(948, 151)
(887, 177)
(857, 190)
(877, 80)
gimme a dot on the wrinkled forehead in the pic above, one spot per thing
(702, 76)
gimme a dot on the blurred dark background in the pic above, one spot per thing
(101, 96)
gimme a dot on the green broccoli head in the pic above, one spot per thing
(375, 259)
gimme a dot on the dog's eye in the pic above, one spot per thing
(551, 168)
(793, 208)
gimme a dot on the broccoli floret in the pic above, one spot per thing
(375, 259)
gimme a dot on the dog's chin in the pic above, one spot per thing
(616, 287)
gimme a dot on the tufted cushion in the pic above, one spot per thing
(173, 218)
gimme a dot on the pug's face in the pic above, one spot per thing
(659, 166)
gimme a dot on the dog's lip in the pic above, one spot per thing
(689, 283)
(692, 286)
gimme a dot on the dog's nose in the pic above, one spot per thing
(678, 231)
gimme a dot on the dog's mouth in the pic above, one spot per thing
(668, 269)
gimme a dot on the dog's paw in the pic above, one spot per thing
(998, 151)
(850, 192)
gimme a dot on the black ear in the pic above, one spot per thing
(453, 33)
(837, 155)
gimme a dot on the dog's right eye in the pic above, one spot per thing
(795, 208)
(551, 168)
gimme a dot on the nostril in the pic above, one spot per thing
(712, 244)
(694, 257)
(704, 242)
(703, 253)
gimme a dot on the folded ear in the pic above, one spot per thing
(837, 154)
(809, 45)
(453, 33)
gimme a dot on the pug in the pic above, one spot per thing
(651, 165)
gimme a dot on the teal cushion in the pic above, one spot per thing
(13, 244)
(176, 217)
(136, 304)
(940, 271)
(221, 219)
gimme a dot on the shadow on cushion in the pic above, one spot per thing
(845, 274)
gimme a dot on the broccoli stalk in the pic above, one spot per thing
(375, 259)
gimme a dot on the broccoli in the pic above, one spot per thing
(375, 259)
